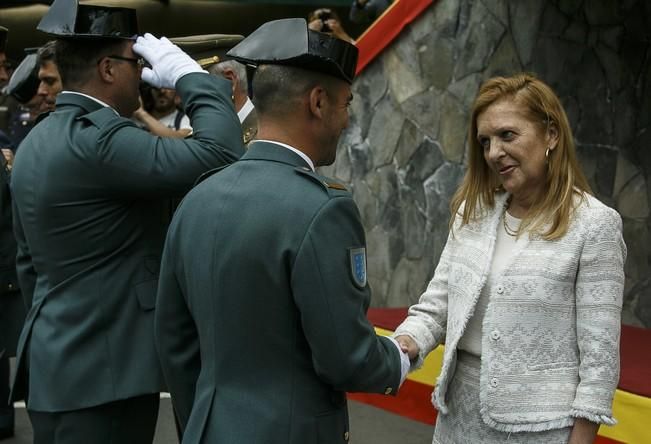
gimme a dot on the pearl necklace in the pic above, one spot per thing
(508, 230)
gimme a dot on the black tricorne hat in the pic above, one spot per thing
(67, 18)
(24, 82)
(207, 49)
(290, 42)
(3, 38)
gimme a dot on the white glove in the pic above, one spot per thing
(168, 62)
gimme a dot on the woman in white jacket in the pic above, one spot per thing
(528, 291)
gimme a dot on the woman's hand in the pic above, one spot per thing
(408, 345)
(583, 432)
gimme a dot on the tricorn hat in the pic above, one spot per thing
(67, 18)
(290, 42)
(207, 49)
(24, 82)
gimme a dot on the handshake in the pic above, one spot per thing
(168, 62)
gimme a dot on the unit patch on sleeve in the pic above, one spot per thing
(358, 266)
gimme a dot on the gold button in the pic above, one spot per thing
(388, 391)
(346, 436)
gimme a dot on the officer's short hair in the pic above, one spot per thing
(47, 53)
(77, 58)
(218, 68)
(276, 88)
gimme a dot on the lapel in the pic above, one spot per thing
(273, 153)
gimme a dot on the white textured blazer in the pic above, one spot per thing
(550, 336)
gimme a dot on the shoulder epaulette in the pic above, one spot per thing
(326, 182)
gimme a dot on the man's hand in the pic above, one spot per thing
(168, 62)
(408, 345)
(315, 25)
(338, 30)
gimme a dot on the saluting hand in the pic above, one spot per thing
(168, 62)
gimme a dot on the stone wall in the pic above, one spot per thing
(403, 153)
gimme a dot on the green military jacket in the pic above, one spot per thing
(261, 310)
(90, 218)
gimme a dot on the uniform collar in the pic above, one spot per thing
(243, 113)
(278, 152)
(89, 103)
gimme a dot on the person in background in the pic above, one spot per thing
(367, 11)
(90, 191)
(210, 52)
(23, 86)
(5, 66)
(159, 113)
(5, 74)
(165, 108)
(236, 73)
(326, 20)
(528, 291)
(48, 74)
(269, 257)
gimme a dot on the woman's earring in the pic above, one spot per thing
(547, 152)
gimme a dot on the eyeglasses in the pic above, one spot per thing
(138, 61)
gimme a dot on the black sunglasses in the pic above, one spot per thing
(138, 61)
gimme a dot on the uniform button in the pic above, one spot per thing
(495, 335)
(346, 436)
(388, 391)
(10, 286)
(493, 382)
(499, 289)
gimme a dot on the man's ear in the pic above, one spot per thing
(317, 99)
(105, 70)
(230, 75)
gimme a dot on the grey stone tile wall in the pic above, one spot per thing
(403, 153)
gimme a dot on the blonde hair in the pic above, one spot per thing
(551, 212)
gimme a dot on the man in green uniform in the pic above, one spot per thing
(261, 311)
(90, 189)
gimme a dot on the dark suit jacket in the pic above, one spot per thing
(257, 309)
(89, 189)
